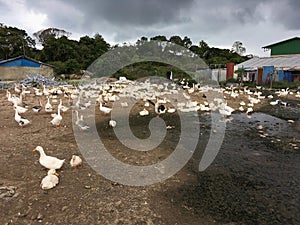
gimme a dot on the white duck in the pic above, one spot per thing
(20, 109)
(49, 162)
(50, 181)
(48, 106)
(76, 161)
(112, 123)
(20, 120)
(104, 109)
(37, 108)
(81, 123)
(57, 119)
(62, 107)
(144, 112)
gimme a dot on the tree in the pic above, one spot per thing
(177, 40)
(159, 38)
(14, 42)
(187, 42)
(43, 35)
(238, 48)
(204, 48)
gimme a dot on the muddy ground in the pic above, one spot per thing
(255, 178)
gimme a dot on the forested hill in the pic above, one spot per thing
(71, 56)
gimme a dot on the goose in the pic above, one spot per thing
(81, 123)
(37, 108)
(276, 102)
(20, 109)
(76, 162)
(225, 109)
(48, 162)
(144, 112)
(241, 108)
(62, 107)
(48, 106)
(20, 120)
(249, 110)
(171, 110)
(104, 109)
(45, 91)
(13, 99)
(16, 89)
(124, 104)
(57, 119)
(112, 123)
(51, 180)
(158, 108)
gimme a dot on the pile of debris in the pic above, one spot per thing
(37, 80)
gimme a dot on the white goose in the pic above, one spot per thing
(76, 162)
(112, 123)
(37, 108)
(20, 120)
(48, 106)
(20, 109)
(62, 107)
(57, 119)
(144, 112)
(50, 181)
(104, 109)
(48, 162)
(81, 123)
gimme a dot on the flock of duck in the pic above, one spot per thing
(164, 97)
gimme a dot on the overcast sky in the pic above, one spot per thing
(218, 22)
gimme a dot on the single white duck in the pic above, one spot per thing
(62, 107)
(37, 108)
(76, 161)
(48, 106)
(57, 119)
(144, 112)
(20, 120)
(49, 162)
(104, 109)
(50, 181)
(81, 123)
(112, 123)
(20, 109)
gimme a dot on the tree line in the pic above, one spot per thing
(71, 56)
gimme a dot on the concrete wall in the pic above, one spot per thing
(19, 73)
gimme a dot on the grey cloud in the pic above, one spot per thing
(127, 20)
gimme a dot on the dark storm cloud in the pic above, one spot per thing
(127, 20)
(288, 14)
(116, 12)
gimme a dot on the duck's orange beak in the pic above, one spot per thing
(34, 150)
(56, 174)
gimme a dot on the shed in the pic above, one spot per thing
(18, 67)
(287, 47)
(284, 67)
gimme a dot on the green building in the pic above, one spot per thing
(286, 47)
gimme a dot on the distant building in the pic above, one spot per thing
(286, 47)
(283, 65)
(18, 67)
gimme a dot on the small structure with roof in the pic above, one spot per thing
(283, 64)
(287, 47)
(19, 67)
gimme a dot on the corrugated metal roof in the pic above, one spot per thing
(284, 62)
(23, 57)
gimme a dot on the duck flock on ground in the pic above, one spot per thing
(163, 97)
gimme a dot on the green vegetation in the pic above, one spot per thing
(71, 56)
